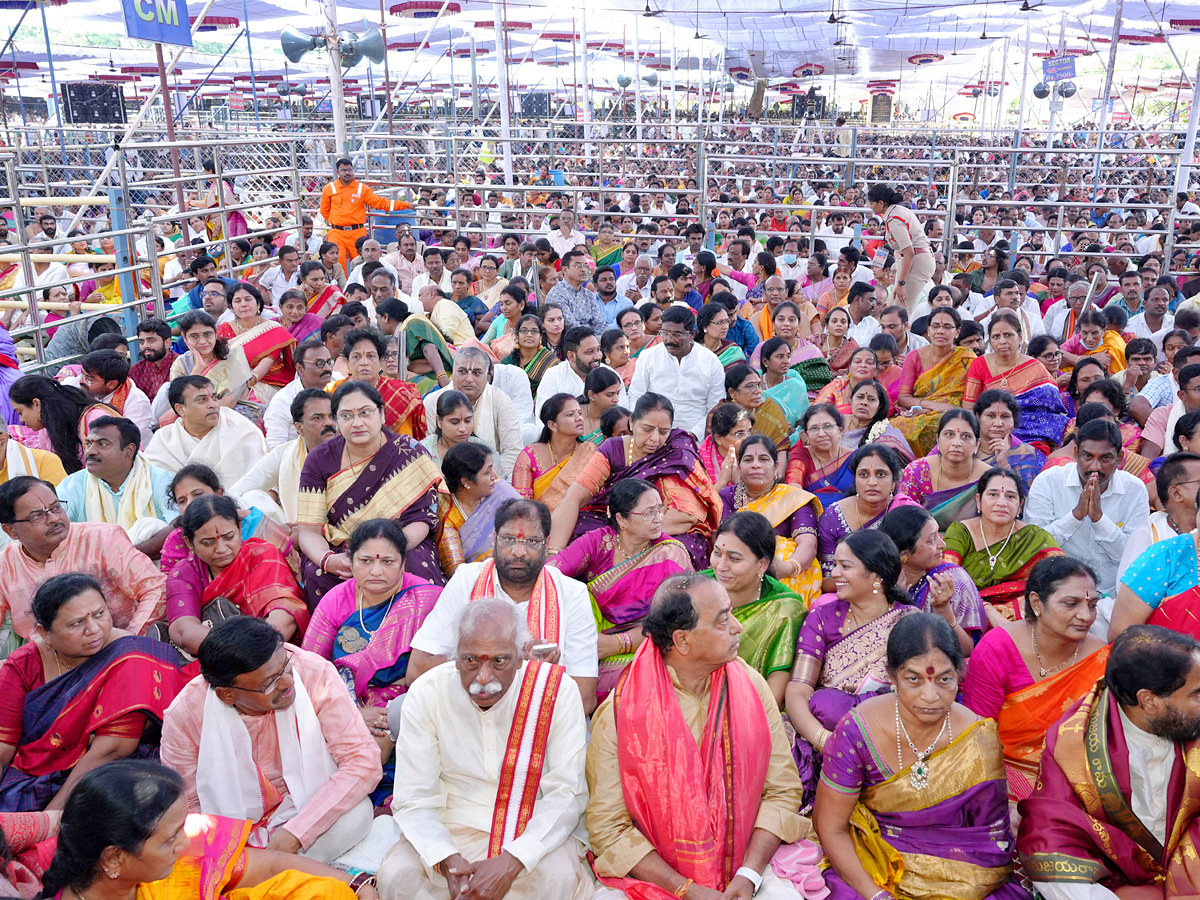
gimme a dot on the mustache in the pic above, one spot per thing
(328, 429)
(492, 687)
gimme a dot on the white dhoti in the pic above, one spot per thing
(562, 874)
(343, 835)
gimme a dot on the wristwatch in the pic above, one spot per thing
(901, 283)
(751, 876)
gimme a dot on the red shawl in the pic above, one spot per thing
(402, 401)
(704, 838)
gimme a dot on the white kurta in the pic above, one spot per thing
(451, 772)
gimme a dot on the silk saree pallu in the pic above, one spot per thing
(1078, 826)
(1002, 582)
(943, 383)
(948, 840)
(1029, 713)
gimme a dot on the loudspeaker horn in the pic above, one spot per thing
(348, 43)
(299, 90)
(296, 43)
(371, 45)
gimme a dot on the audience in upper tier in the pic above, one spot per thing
(763, 496)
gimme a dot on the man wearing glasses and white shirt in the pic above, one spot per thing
(518, 572)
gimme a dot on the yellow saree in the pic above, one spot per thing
(551, 485)
(779, 505)
(944, 383)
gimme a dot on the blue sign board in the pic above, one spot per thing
(325, 105)
(162, 21)
(1058, 68)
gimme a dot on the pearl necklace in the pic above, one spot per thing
(920, 769)
(361, 624)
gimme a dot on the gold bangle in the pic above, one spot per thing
(682, 890)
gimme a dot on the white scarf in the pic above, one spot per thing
(485, 417)
(231, 448)
(137, 502)
(227, 778)
(19, 460)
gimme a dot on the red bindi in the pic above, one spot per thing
(520, 532)
(929, 670)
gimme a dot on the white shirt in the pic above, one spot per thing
(264, 474)
(562, 379)
(863, 331)
(137, 411)
(422, 278)
(1124, 507)
(694, 384)
(453, 772)
(496, 424)
(834, 242)
(914, 342)
(278, 417)
(1031, 326)
(513, 383)
(562, 244)
(273, 280)
(356, 274)
(577, 625)
(627, 281)
(1151, 759)
(1137, 324)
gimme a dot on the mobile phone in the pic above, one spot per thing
(543, 650)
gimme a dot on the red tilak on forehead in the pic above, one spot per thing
(520, 532)
(929, 670)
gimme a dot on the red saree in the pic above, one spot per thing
(259, 580)
(263, 340)
(326, 303)
(403, 411)
(1078, 826)
(705, 838)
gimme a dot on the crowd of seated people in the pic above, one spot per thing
(890, 575)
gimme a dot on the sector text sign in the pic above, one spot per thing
(1058, 68)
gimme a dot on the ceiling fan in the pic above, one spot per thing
(650, 13)
(1025, 7)
(697, 36)
(834, 18)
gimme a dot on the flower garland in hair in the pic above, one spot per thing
(876, 430)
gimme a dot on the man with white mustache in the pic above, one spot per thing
(476, 818)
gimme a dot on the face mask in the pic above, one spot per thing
(789, 259)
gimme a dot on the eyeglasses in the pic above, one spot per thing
(38, 516)
(653, 512)
(364, 414)
(827, 428)
(320, 363)
(273, 683)
(392, 354)
(529, 332)
(508, 541)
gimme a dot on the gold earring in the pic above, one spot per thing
(875, 590)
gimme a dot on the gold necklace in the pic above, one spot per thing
(1042, 670)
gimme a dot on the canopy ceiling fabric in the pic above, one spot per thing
(787, 41)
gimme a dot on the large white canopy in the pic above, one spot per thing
(933, 49)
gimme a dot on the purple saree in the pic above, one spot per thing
(951, 838)
(843, 670)
(399, 482)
